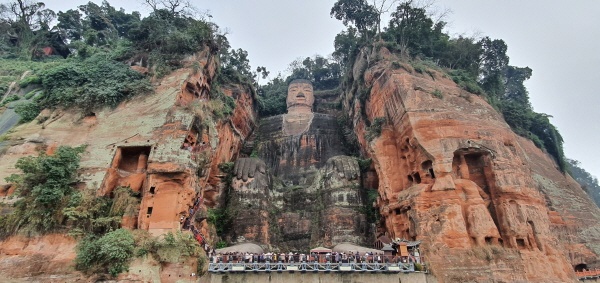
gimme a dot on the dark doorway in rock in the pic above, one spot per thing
(521, 243)
(417, 177)
(581, 267)
(133, 158)
(427, 166)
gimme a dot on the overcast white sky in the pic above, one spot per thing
(559, 40)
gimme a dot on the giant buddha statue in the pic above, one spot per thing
(301, 190)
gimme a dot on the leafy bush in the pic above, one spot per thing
(89, 214)
(30, 80)
(45, 187)
(418, 267)
(91, 83)
(466, 81)
(220, 218)
(110, 253)
(10, 99)
(28, 111)
(173, 247)
(364, 164)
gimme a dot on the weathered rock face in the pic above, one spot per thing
(167, 146)
(452, 174)
(301, 191)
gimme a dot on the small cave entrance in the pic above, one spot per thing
(521, 244)
(427, 166)
(580, 267)
(195, 138)
(417, 177)
(133, 158)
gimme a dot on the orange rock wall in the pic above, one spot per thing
(452, 174)
(142, 144)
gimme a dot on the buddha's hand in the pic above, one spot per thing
(246, 168)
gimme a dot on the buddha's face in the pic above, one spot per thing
(300, 94)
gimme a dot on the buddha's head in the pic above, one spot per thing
(300, 96)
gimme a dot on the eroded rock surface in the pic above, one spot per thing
(486, 203)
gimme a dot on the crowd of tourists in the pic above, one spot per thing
(333, 257)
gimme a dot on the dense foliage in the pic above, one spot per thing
(481, 66)
(91, 83)
(101, 42)
(109, 253)
(45, 187)
(588, 182)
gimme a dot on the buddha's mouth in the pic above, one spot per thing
(300, 95)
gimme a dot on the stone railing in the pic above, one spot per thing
(311, 267)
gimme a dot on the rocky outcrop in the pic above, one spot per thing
(487, 205)
(166, 146)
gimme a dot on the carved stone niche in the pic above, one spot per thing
(128, 169)
(475, 186)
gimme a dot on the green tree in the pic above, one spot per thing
(357, 13)
(415, 31)
(588, 182)
(494, 62)
(110, 253)
(46, 184)
(272, 97)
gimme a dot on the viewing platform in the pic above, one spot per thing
(311, 267)
(588, 275)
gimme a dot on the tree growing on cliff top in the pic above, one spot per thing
(357, 13)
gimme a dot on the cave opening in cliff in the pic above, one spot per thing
(417, 177)
(152, 189)
(133, 158)
(149, 211)
(427, 166)
(581, 267)
(191, 140)
(521, 243)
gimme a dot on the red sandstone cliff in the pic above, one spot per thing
(486, 203)
(166, 145)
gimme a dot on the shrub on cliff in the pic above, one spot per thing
(94, 82)
(28, 110)
(110, 253)
(45, 187)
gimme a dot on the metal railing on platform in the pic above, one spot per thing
(311, 267)
(588, 274)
